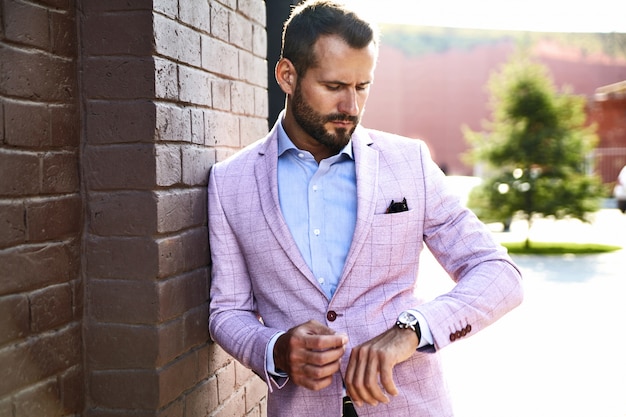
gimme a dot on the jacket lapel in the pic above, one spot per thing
(266, 175)
(367, 164)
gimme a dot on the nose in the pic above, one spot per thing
(349, 103)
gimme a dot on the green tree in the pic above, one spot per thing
(534, 149)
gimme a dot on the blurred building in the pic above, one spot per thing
(608, 111)
(434, 95)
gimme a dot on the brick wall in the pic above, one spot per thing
(111, 114)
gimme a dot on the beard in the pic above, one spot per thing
(313, 123)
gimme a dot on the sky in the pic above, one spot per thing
(531, 15)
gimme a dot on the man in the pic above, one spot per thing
(315, 235)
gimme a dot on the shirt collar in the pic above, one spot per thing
(285, 143)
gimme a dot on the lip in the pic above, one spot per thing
(342, 123)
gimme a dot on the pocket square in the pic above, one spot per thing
(397, 207)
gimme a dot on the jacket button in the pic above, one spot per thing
(331, 315)
(452, 337)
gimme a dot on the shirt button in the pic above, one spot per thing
(320, 280)
(315, 188)
(316, 232)
(331, 315)
(300, 155)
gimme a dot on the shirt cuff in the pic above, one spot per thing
(427, 336)
(270, 366)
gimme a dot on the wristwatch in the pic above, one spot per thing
(406, 320)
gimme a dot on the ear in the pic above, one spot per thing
(286, 75)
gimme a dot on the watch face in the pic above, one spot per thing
(407, 318)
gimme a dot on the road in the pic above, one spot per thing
(562, 353)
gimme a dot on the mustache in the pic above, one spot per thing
(341, 118)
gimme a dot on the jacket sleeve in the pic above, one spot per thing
(233, 319)
(488, 284)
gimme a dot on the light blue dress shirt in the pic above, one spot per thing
(318, 203)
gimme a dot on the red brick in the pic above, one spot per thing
(196, 328)
(256, 391)
(130, 213)
(226, 381)
(233, 406)
(118, 346)
(60, 173)
(37, 359)
(194, 86)
(77, 298)
(131, 389)
(19, 172)
(202, 400)
(197, 14)
(120, 167)
(71, 385)
(129, 302)
(63, 32)
(35, 75)
(14, 318)
(170, 341)
(168, 165)
(203, 363)
(120, 121)
(119, 77)
(12, 223)
(6, 407)
(93, 6)
(30, 267)
(197, 126)
(53, 219)
(64, 129)
(171, 258)
(35, 133)
(116, 258)
(196, 163)
(220, 58)
(242, 375)
(178, 377)
(180, 209)
(2, 104)
(218, 358)
(59, 4)
(176, 41)
(180, 294)
(118, 33)
(196, 249)
(219, 21)
(222, 129)
(43, 399)
(50, 307)
(173, 123)
(26, 24)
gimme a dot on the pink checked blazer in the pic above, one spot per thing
(261, 285)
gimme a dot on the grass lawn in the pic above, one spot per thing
(558, 248)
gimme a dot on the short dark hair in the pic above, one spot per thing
(315, 18)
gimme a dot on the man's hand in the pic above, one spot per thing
(371, 365)
(310, 354)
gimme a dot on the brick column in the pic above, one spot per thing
(40, 211)
(167, 90)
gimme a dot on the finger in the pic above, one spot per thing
(371, 377)
(386, 379)
(355, 377)
(323, 357)
(315, 377)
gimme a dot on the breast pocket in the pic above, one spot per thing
(396, 237)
